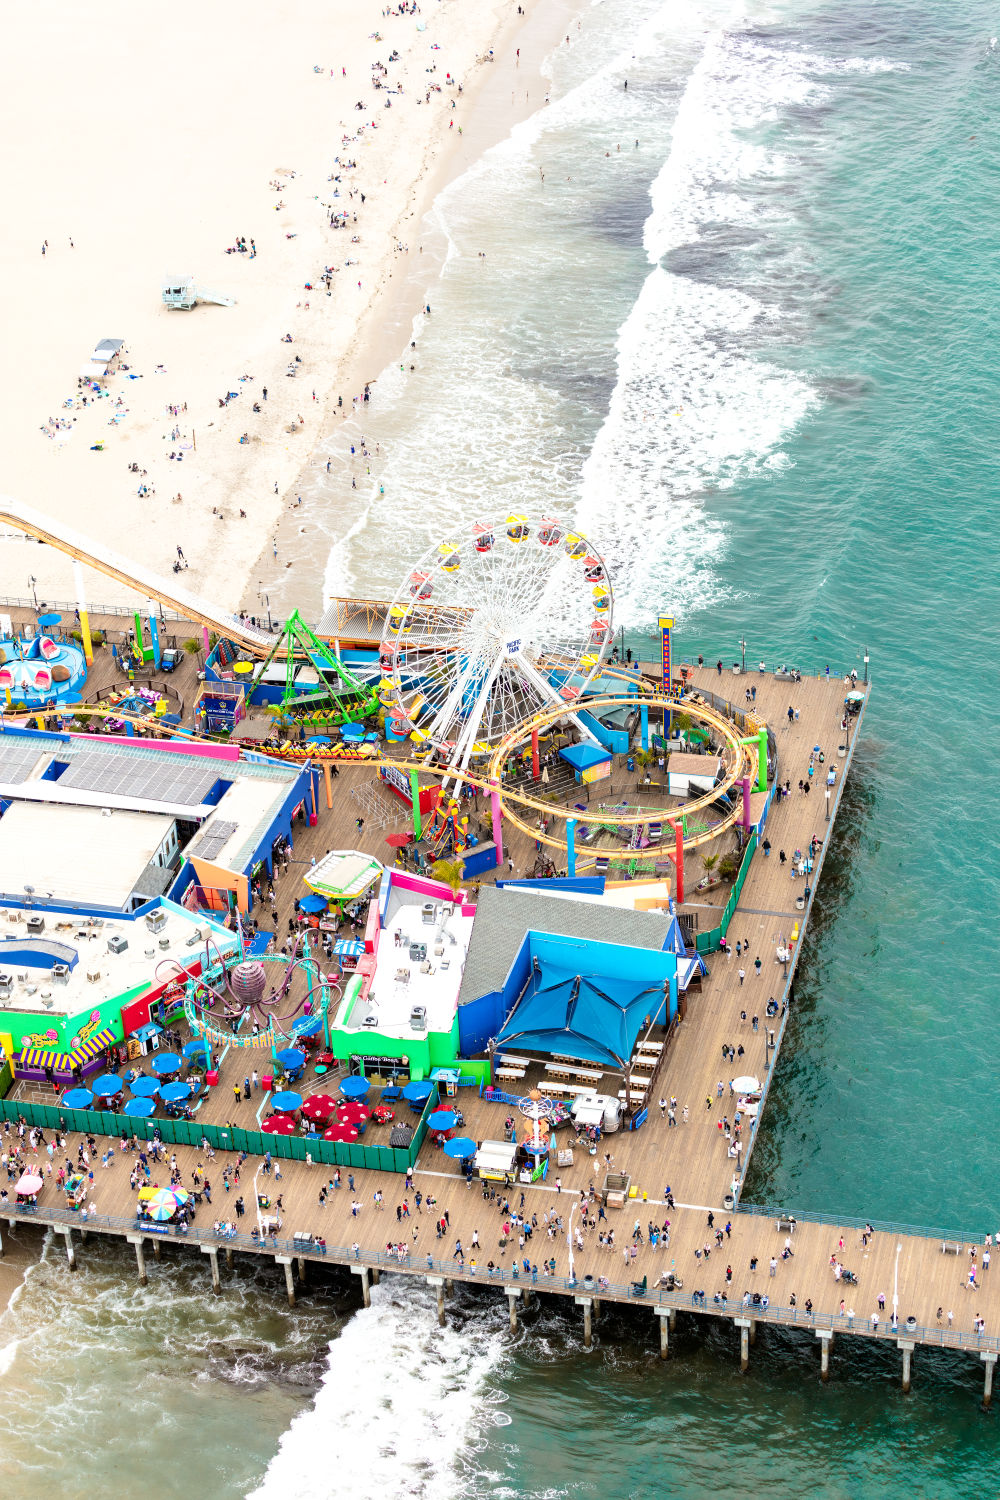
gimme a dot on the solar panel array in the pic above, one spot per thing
(213, 839)
(17, 759)
(169, 780)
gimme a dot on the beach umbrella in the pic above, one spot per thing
(286, 1103)
(352, 1113)
(139, 1108)
(355, 1088)
(173, 1093)
(442, 1119)
(164, 1199)
(106, 1086)
(199, 1047)
(78, 1099)
(292, 1057)
(399, 840)
(279, 1125)
(461, 1148)
(319, 1107)
(745, 1085)
(313, 903)
(418, 1093)
(143, 1087)
(166, 1062)
(30, 1183)
(340, 1133)
(307, 1026)
(160, 1212)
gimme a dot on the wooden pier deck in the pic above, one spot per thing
(927, 1283)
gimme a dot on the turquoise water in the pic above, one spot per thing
(755, 355)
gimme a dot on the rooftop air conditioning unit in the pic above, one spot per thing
(47, 999)
(428, 914)
(36, 923)
(60, 973)
(150, 952)
(6, 986)
(117, 943)
(157, 920)
(93, 976)
(164, 943)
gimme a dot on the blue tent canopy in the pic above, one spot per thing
(582, 756)
(595, 1017)
(313, 903)
(348, 948)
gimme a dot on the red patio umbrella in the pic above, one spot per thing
(319, 1108)
(399, 840)
(349, 1112)
(342, 1132)
(280, 1125)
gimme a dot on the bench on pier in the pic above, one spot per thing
(951, 1247)
(510, 1073)
(786, 1226)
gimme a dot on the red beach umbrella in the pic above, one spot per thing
(319, 1108)
(349, 1112)
(279, 1125)
(399, 840)
(342, 1132)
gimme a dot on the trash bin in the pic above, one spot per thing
(630, 762)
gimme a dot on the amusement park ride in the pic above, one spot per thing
(494, 637)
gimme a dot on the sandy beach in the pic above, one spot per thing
(279, 155)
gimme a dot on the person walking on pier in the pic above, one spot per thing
(743, 975)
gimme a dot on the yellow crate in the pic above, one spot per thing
(633, 1192)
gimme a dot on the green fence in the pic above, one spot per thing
(707, 942)
(223, 1137)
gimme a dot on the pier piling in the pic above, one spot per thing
(229, 1257)
(302, 1268)
(286, 1261)
(362, 1273)
(156, 1249)
(663, 1313)
(140, 1259)
(746, 1327)
(587, 1303)
(673, 1319)
(438, 1281)
(376, 1275)
(513, 1298)
(907, 1346)
(825, 1336)
(67, 1234)
(213, 1256)
(990, 1361)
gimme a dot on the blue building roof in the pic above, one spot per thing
(596, 1017)
(581, 757)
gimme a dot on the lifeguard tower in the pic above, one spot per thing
(181, 292)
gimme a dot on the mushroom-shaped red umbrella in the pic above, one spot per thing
(341, 1133)
(352, 1113)
(279, 1125)
(319, 1108)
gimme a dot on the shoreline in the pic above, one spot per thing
(488, 119)
(250, 155)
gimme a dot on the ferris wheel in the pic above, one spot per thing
(490, 627)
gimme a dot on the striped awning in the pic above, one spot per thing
(44, 1057)
(84, 1052)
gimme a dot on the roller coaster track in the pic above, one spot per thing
(141, 580)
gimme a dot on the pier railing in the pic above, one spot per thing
(509, 1277)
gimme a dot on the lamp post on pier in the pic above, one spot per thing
(828, 804)
(743, 655)
(569, 1242)
(866, 666)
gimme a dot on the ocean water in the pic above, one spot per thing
(752, 353)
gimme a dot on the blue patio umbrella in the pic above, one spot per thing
(291, 1057)
(172, 1093)
(418, 1093)
(143, 1087)
(307, 1026)
(166, 1062)
(461, 1148)
(198, 1048)
(319, 739)
(78, 1099)
(106, 1086)
(313, 903)
(354, 1088)
(442, 1119)
(287, 1102)
(140, 1107)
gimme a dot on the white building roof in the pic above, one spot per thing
(392, 997)
(76, 854)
